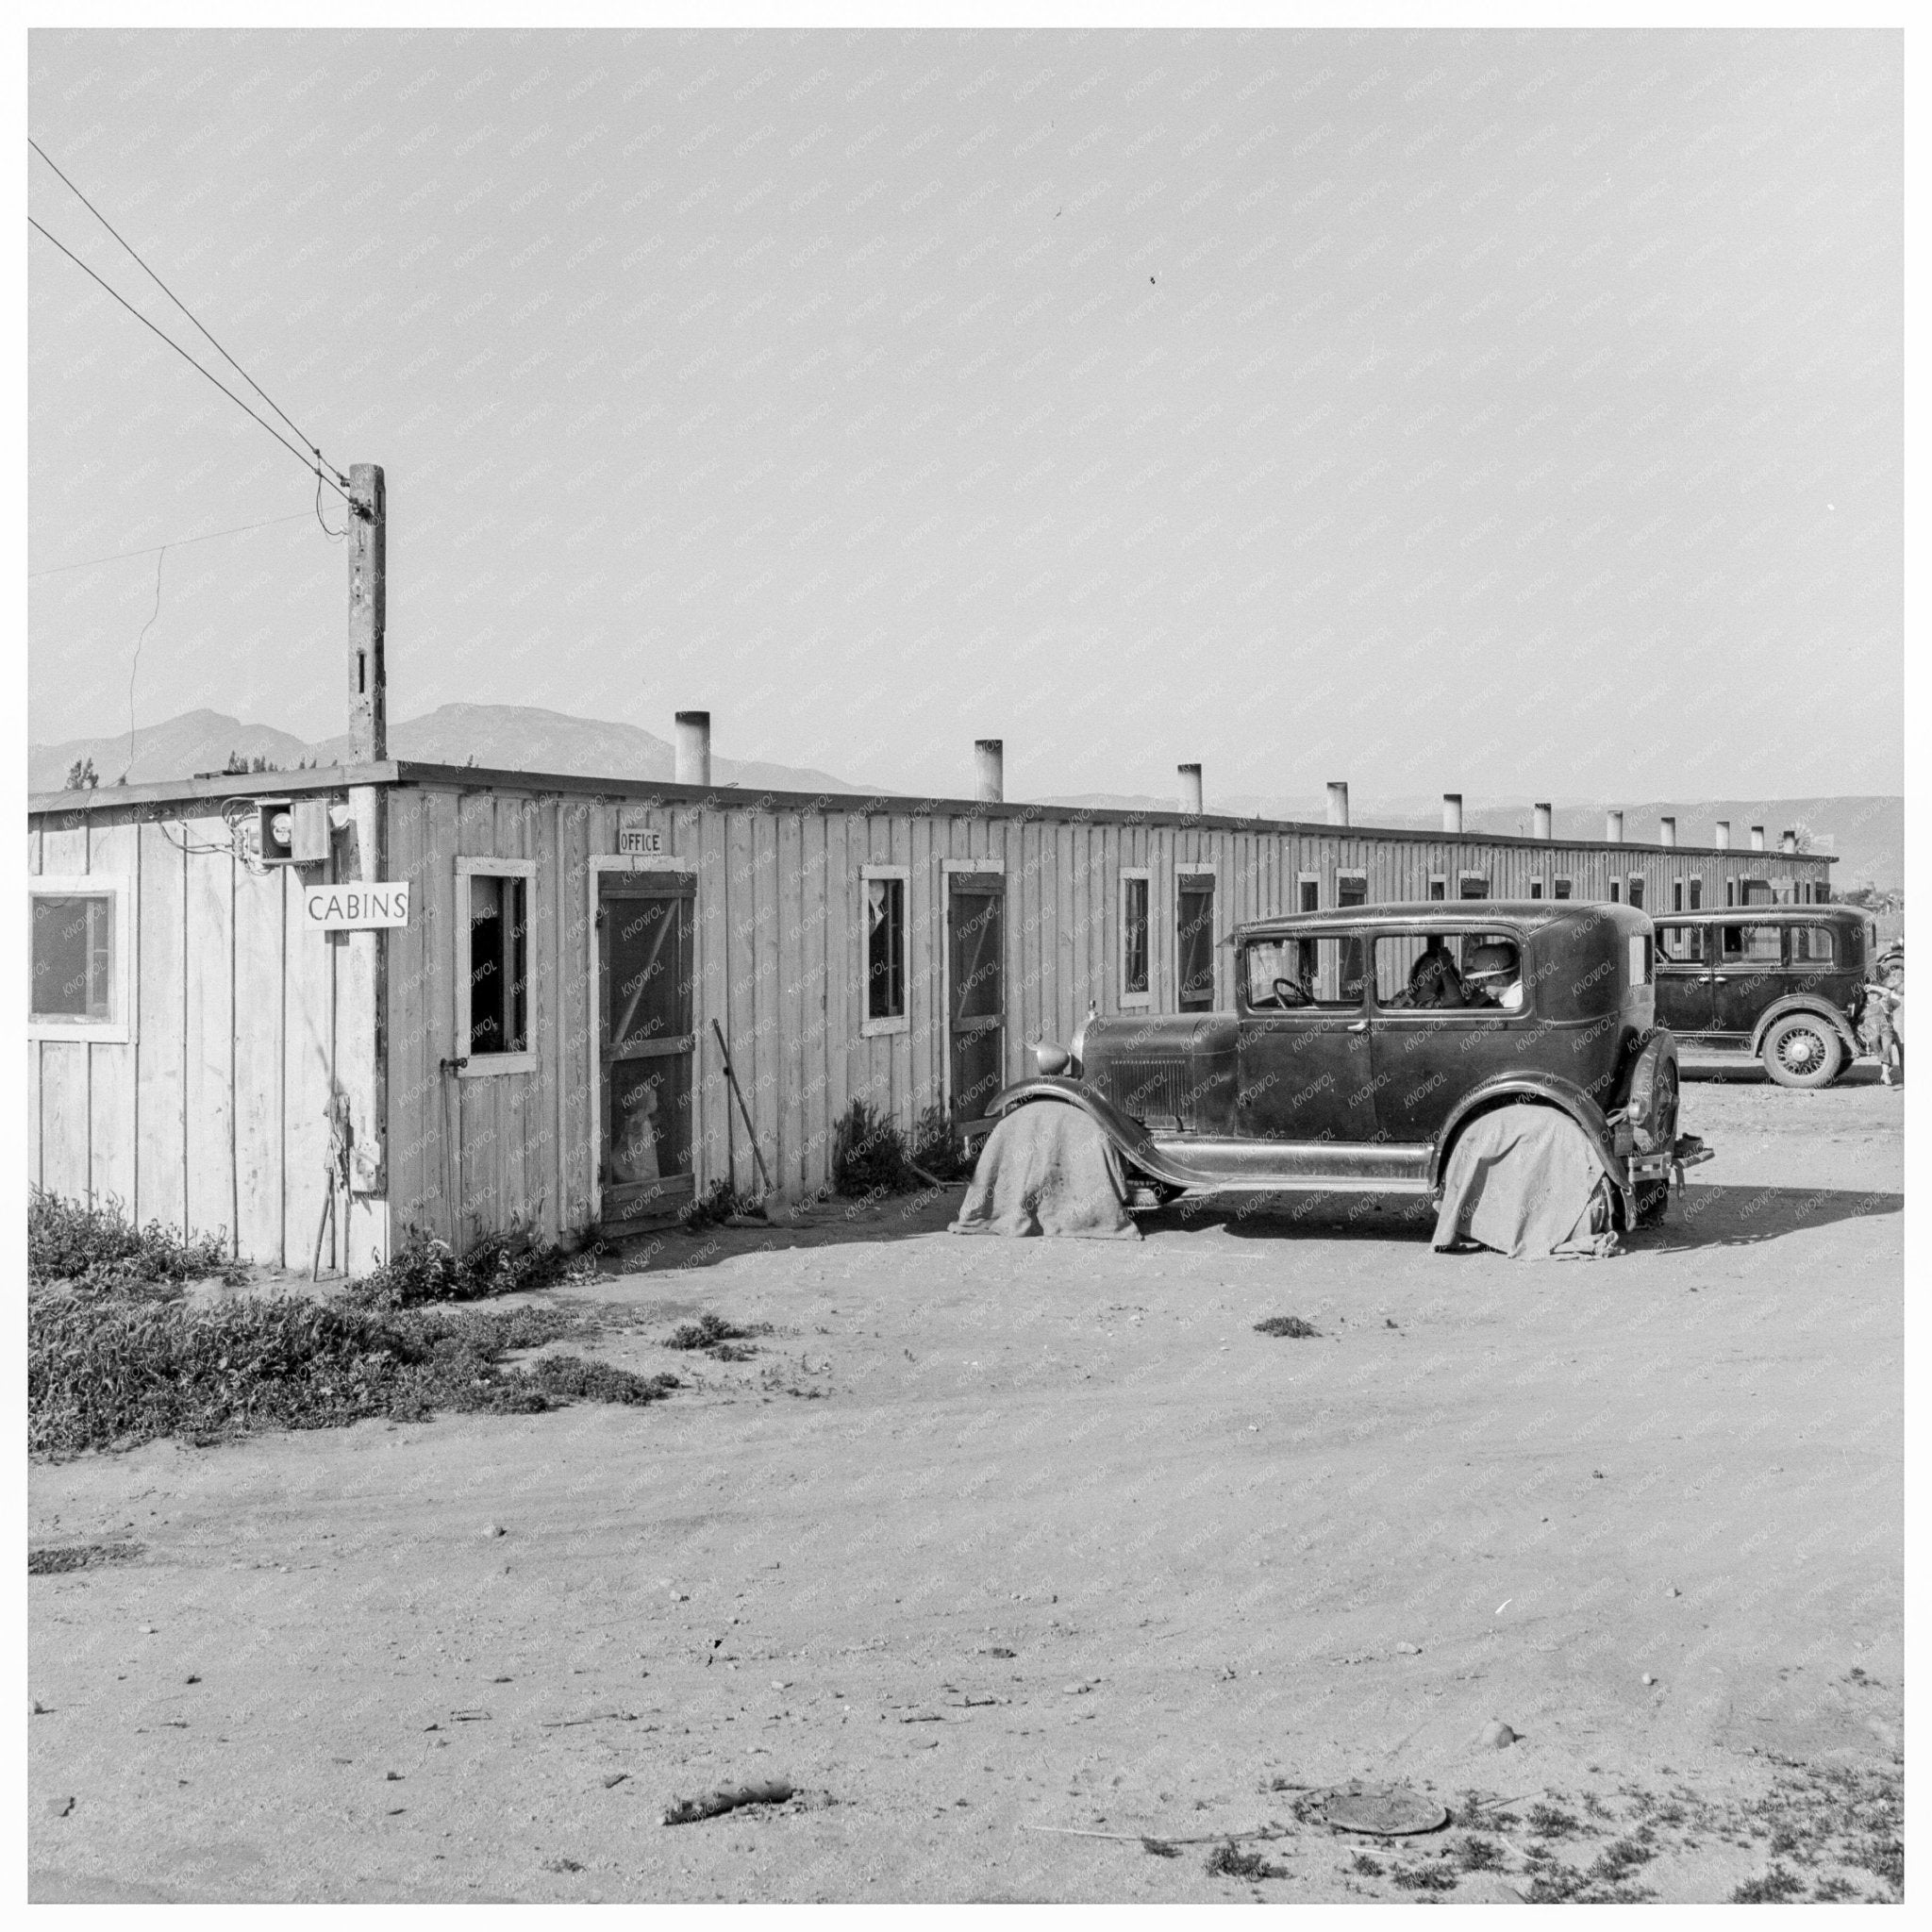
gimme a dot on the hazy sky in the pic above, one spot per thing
(1515, 412)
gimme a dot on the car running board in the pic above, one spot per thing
(1270, 1167)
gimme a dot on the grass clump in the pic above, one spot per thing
(1776, 1887)
(717, 1204)
(722, 1339)
(1229, 1861)
(1478, 1854)
(98, 1250)
(937, 1149)
(1425, 1879)
(1292, 1326)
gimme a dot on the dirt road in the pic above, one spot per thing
(990, 1536)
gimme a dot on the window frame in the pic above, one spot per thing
(1353, 875)
(490, 1065)
(1190, 876)
(1141, 1001)
(1438, 889)
(1303, 880)
(1464, 898)
(119, 1028)
(901, 1022)
(1561, 886)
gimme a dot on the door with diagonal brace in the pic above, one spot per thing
(976, 991)
(646, 1040)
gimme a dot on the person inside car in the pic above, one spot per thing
(1433, 980)
(1495, 977)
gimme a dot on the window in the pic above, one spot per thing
(1616, 891)
(1351, 888)
(1730, 891)
(78, 959)
(1194, 936)
(493, 965)
(1135, 931)
(1309, 892)
(1296, 974)
(1470, 970)
(885, 950)
(1677, 896)
(1637, 889)
(1680, 946)
(1562, 887)
(1438, 886)
(1748, 946)
(1696, 894)
(1810, 945)
(1536, 889)
(1473, 885)
(1639, 958)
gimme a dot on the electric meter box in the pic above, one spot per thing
(292, 831)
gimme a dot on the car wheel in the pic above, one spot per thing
(1802, 1050)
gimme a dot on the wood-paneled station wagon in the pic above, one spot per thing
(1786, 983)
(1365, 1040)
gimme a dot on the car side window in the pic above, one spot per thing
(1810, 945)
(1680, 946)
(1306, 974)
(1449, 973)
(1750, 946)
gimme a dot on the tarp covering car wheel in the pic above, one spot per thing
(1048, 1168)
(1525, 1181)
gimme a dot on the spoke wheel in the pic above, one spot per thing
(1802, 1051)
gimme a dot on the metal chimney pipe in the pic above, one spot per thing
(1757, 837)
(1788, 842)
(1191, 789)
(1338, 801)
(1545, 821)
(1723, 835)
(1613, 827)
(1452, 813)
(989, 769)
(1667, 831)
(694, 747)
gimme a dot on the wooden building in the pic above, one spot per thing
(540, 1036)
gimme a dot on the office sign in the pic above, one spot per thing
(636, 838)
(358, 905)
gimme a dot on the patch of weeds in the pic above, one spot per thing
(58, 1559)
(1229, 1861)
(1481, 1855)
(1830, 1891)
(571, 1378)
(1470, 1810)
(511, 1261)
(937, 1149)
(1884, 1857)
(1618, 1860)
(1290, 1325)
(1547, 1820)
(97, 1249)
(1425, 1879)
(869, 1154)
(1159, 1848)
(561, 1865)
(717, 1337)
(1368, 1867)
(110, 1373)
(1777, 1888)
(717, 1204)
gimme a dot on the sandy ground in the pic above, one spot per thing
(993, 1536)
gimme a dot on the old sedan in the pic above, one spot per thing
(1364, 1041)
(1786, 983)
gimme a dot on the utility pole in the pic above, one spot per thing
(362, 962)
(368, 614)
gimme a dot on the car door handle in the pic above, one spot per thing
(1358, 1027)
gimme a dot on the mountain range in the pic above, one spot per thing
(1867, 833)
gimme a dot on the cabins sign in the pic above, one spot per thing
(357, 906)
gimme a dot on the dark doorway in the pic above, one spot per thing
(1194, 951)
(976, 991)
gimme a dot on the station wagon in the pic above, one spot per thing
(1343, 1070)
(1786, 983)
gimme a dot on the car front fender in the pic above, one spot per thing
(1131, 1141)
(1805, 1003)
(1552, 1090)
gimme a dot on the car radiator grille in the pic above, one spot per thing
(1142, 1087)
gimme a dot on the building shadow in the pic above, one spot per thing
(837, 1223)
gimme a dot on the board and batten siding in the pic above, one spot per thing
(214, 1116)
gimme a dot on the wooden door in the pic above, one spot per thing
(646, 1042)
(1194, 942)
(976, 991)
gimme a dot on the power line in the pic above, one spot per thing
(184, 307)
(306, 463)
(301, 516)
(135, 667)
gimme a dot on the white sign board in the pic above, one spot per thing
(357, 906)
(636, 839)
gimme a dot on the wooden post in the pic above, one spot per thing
(368, 614)
(362, 962)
